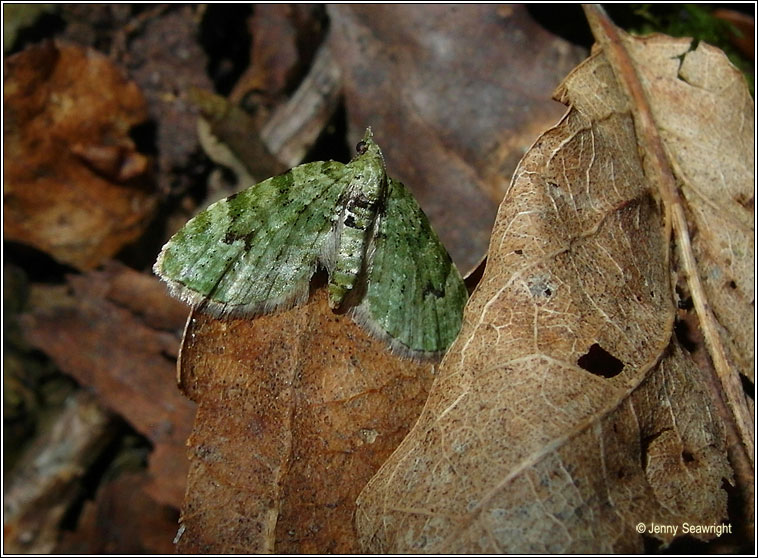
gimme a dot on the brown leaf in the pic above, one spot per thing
(96, 335)
(123, 519)
(75, 186)
(296, 411)
(439, 84)
(566, 413)
(699, 126)
(166, 59)
(284, 38)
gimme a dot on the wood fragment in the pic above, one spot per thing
(47, 479)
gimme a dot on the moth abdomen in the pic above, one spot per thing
(356, 226)
(353, 239)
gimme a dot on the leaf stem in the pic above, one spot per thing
(652, 146)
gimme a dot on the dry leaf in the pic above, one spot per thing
(122, 519)
(704, 115)
(166, 58)
(49, 477)
(284, 39)
(566, 414)
(75, 186)
(455, 94)
(296, 411)
(103, 335)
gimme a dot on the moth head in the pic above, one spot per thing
(367, 146)
(368, 171)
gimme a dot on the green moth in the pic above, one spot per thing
(256, 251)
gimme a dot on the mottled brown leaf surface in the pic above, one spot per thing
(566, 413)
(455, 95)
(702, 108)
(74, 184)
(103, 333)
(296, 411)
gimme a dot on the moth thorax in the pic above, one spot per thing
(356, 228)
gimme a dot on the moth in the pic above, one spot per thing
(256, 251)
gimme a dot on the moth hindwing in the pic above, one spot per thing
(256, 251)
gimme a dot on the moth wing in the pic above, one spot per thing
(414, 294)
(256, 250)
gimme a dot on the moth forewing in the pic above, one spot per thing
(256, 251)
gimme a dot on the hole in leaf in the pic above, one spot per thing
(687, 457)
(683, 298)
(541, 286)
(684, 335)
(600, 362)
(685, 304)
